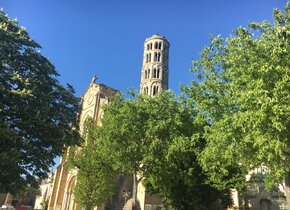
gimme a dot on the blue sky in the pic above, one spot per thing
(105, 37)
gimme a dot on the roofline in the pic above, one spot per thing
(157, 36)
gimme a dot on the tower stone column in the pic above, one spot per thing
(154, 75)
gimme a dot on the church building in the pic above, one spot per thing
(154, 79)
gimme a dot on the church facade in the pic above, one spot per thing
(95, 97)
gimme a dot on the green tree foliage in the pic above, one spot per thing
(96, 176)
(242, 88)
(152, 138)
(37, 114)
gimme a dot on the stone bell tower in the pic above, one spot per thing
(154, 75)
(154, 79)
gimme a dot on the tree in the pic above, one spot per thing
(180, 180)
(242, 88)
(96, 177)
(152, 139)
(38, 116)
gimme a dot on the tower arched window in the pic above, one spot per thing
(159, 57)
(149, 59)
(155, 56)
(160, 45)
(145, 74)
(155, 90)
(150, 46)
(147, 46)
(154, 73)
(149, 76)
(158, 73)
(156, 45)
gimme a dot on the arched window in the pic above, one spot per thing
(155, 56)
(154, 73)
(145, 74)
(160, 44)
(149, 76)
(155, 90)
(149, 57)
(146, 58)
(156, 45)
(159, 57)
(158, 73)
(150, 46)
(69, 197)
(147, 46)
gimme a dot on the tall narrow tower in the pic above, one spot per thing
(154, 75)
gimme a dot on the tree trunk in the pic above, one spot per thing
(287, 189)
(134, 195)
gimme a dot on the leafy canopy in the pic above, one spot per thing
(242, 88)
(152, 138)
(37, 114)
(96, 177)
